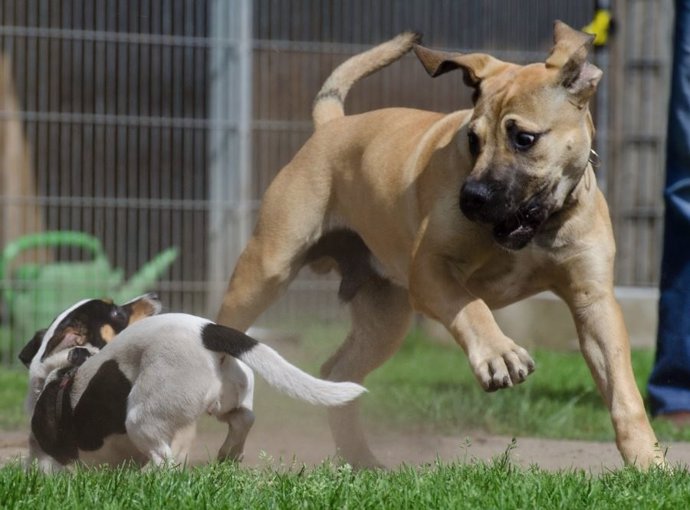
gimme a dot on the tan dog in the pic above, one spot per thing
(452, 215)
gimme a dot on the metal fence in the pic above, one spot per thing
(157, 124)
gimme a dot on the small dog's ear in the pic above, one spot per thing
(31, 348)
(475, 66)
(142, 307)
(569, 56)
(69, 337)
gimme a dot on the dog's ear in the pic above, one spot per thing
(31, 348)
(475, 66)
(64, 339)
(142, 307)
(569, 56)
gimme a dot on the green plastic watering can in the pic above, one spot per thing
(34, 294)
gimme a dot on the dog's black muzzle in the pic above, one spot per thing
(484, 200)
(490, 201)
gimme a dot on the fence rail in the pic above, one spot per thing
(152, 124)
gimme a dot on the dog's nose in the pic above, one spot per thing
(474, 195)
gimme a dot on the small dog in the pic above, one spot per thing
(139, 398)
(452, 215)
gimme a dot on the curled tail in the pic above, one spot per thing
(328, 104)
(278, 372)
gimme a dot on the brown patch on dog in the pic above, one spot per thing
(140, 310)
(108, 333)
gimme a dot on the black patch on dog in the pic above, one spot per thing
(218, 338)
(329, 94)
(77, 356)
(52, 423)
(102, 408)
(87, 321)
(352, 256)
(31, 348)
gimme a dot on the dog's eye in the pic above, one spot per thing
(117, 316)
(524, 140)
(473, 142)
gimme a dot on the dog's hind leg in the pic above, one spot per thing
(237, 400)
(380, 318)
(239, 422)
(151, 439)
(275, 253)
(182, 443)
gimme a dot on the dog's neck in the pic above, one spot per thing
(581, 194)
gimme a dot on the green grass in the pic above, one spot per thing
(13, 384)
(430, 385)
(496, 484)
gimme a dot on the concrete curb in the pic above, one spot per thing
(545, 321)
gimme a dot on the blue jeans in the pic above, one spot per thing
(669, 384)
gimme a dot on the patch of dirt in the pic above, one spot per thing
(272, 443)
(288, 431)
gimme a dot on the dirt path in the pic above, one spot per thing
(288, 430)
(273, 443)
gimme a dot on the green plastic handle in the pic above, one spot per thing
(147, 275)
(42, 240)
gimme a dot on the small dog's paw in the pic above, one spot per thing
(505, 366)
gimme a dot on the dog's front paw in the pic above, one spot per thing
(502, 365)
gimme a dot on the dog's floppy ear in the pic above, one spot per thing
(569, 56)
(64, 339)
(31, 348)
(475, 66)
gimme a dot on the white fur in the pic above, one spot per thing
(292, 381)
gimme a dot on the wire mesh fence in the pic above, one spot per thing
(152, 128)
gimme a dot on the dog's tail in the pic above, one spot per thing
(276, 370)
(328, 104)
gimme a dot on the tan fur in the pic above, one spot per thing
(394, 176)
(140, 310)
(107, 333)
(329, 101)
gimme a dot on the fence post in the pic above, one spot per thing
(229, 147)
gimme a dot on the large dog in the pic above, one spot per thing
(452, 215)
(138, 399)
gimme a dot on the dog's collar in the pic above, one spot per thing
(594, 159)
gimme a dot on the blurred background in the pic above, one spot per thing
(138, 136)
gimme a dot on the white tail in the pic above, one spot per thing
(292, 381)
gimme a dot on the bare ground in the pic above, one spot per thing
(288, 431)
(276, 443)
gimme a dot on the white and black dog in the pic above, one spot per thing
(139, 398)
